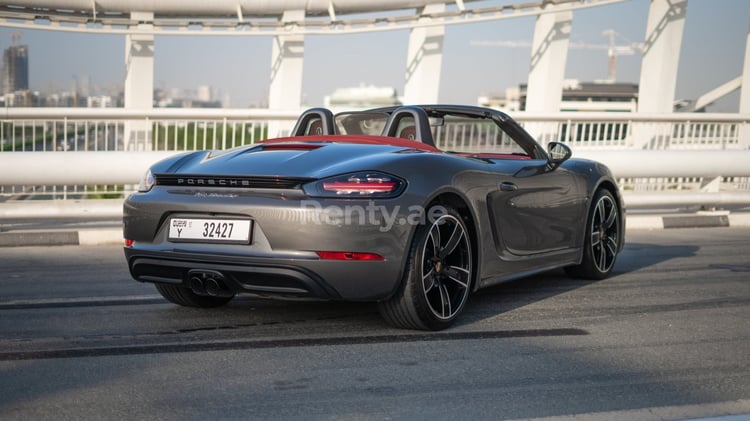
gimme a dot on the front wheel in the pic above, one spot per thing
(438, 279)
(603, 231)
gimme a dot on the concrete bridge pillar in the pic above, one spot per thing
(661, 55)
(424, 59)
(139, 80)
(745, 89)
(745, 95)
(287, 58)
(549, 52)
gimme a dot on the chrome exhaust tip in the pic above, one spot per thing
(208, 283)
(197, 286)
(216, 287)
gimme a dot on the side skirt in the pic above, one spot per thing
(488, 282)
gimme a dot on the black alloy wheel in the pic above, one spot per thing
(439, 277)
(603, 231)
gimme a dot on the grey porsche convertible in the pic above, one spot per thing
(363, 206)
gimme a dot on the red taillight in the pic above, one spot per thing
(372, 184)
(348, 255)
(348, 187)
(129, 242)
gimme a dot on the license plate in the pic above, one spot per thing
(210, 230)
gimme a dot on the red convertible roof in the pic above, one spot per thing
(359, 139)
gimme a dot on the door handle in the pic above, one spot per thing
(508, 186)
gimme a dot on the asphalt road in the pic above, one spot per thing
(80, 340)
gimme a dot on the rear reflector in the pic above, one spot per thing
(348, 255)
(129, 242)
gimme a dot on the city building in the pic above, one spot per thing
(203, 97)
(100, 101)
(362, 96)
(510, 102)
(23, 98)
(577, 96)
(15, 71)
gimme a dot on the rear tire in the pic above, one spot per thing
(185, 297)
(603, 231)
(438, 279)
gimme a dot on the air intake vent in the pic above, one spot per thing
(244, 182)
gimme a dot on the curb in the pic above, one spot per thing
(699, 220)
(83, 237)
(113, 236)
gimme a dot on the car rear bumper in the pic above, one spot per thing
(282, 258)
(291, 278)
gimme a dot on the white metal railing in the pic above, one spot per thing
(83, 135)
(74, 130)
(117, 129)
(109, 129)
(641, 131)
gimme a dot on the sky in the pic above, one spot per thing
(713, 48)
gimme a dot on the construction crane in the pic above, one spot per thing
(617, 50)
(613, 50)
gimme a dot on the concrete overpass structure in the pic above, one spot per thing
(289, 21)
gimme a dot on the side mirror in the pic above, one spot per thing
(558, 153)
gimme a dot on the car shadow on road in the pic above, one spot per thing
(509, 296)
(296, 317)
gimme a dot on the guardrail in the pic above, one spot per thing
(127, 167)
(106, 129)
(74, 152)
(119, 129)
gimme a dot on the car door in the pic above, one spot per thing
(536, 209)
